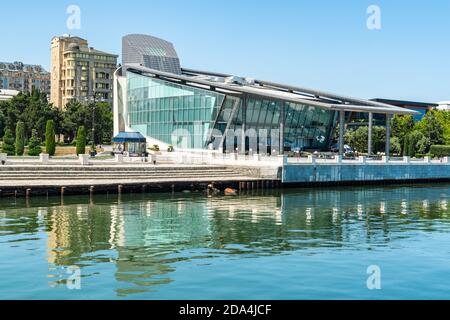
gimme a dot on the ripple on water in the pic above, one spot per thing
(291, 245)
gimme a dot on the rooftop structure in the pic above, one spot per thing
(421, 107)
(150, 52)
(8, 94)
(443, 105)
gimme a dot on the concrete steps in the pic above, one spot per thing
(20, 175)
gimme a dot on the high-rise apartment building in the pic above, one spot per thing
(24, 77)
(80, 72)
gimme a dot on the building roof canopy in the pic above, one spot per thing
(270, 90)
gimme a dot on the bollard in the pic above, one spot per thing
(44, 158)
(118, 158)
(84, 159)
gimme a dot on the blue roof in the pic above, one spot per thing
(123, 137)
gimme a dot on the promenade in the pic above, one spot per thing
(27, 176)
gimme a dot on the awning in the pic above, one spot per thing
(133, 137)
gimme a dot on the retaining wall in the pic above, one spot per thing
(358, 173)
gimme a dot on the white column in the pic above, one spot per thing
(388, 135)
(341, 132)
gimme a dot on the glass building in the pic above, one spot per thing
(212, 111)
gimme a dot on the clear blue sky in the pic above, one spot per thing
(320, 44)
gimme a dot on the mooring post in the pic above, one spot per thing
(119, 189)
(63, 190)
(91, 190)
(27, 193)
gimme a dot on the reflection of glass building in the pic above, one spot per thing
(214, 109)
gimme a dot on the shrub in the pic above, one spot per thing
(20, 138)
(8, 143)
(81, 140)
(396, 147)
(440, 151)
(415, 142)
(50, 144)
(34, 145)
(420, 155)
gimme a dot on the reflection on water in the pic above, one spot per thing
(133, 246)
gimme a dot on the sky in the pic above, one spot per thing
(320, 44)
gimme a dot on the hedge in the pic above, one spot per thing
(440, 151)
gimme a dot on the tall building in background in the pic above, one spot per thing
(150, 52)
(80, 72)
(24, 77)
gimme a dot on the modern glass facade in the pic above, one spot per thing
(168, 111)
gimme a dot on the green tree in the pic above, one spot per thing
(3, 105)
(396, 147)
(414, 143)
(358, 139)
(20, 138)
(401, 126)
(81, 140)
(31, 108)
(8, 143)
(432, 128)
(50, 144)
(34, 145)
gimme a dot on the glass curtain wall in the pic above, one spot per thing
(304, 126)
(170, 112)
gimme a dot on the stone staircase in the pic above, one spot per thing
(103, 175)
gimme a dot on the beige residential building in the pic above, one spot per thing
(80, 72)
(24, 77)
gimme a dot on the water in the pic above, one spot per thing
(298, 244)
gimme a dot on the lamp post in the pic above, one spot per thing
(94, 99)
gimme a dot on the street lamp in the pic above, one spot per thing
(94, 99)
